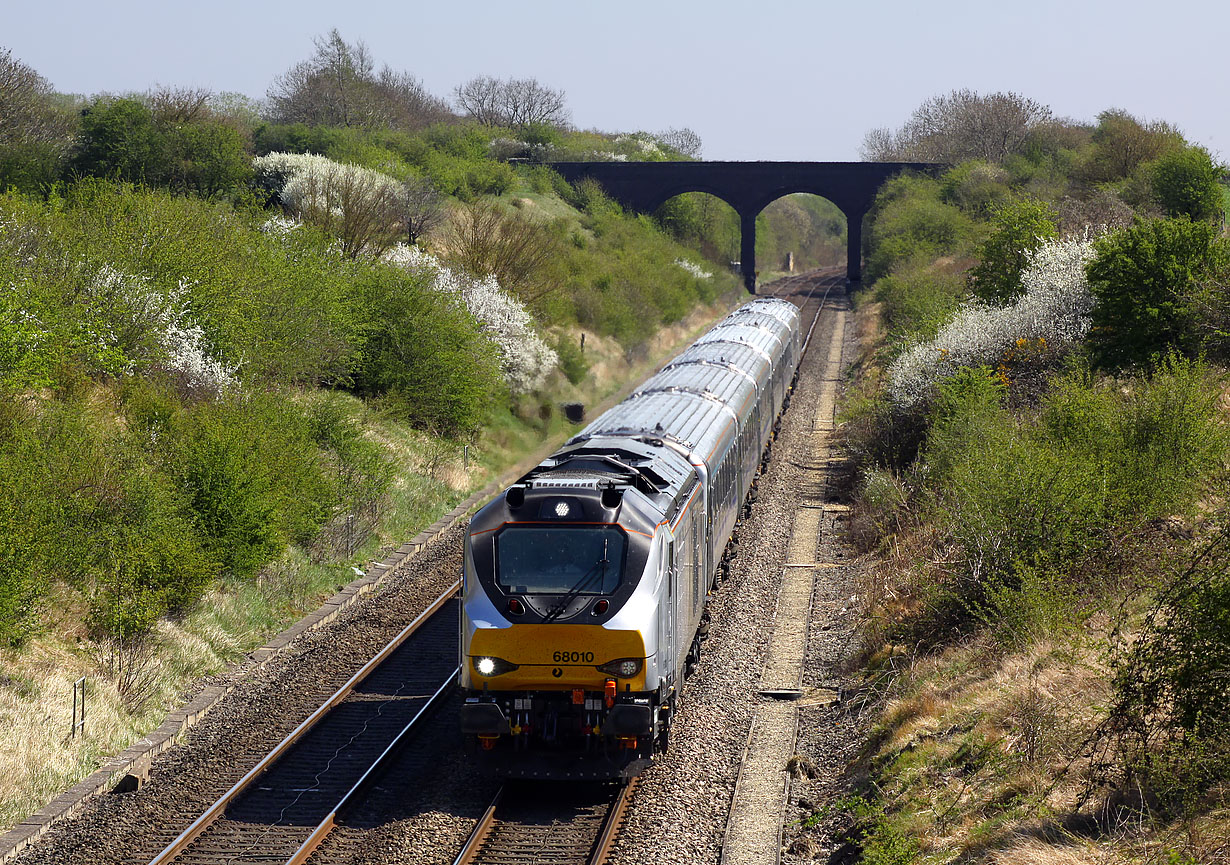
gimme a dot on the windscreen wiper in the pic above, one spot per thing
(599, 569)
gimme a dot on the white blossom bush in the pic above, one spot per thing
(133, 324)
(279, 226)
(1053, 312)
(359, 205)
(642, 143)
(693, 268)
(525, 360)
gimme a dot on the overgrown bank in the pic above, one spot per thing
(1039, 434)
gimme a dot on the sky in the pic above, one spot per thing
(757, 79)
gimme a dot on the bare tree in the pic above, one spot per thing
(481, 99)
(517, 102)
(880, 145)
(683, 141)
(28, 113)
(405, 103)
(178, 104)
(420, 208)
(487, 240)
(961, 125)
(339, 86)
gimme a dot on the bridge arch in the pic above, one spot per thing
(749, 187)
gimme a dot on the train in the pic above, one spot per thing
(584, 584)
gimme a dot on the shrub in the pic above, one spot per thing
(424, 354)
(911, 221)
(1049, 319)
(1017, 230)
(253, 477)
(486, 240)
(572, 360)
(525, 359)
(976, 187)
(1168, 725)
(1033, 506)
(1185, 183)
(918, 300)
(1143, 279)
(358, 205)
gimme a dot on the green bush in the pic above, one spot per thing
(1032, 506)
(120, 139)
(254, 478)
(424, 355)
(1017, 230)
(572, 361)
(1168, 727)
(918, 300)
(977, 187)
(910, 221)
(1185, 183)
(1143, 278)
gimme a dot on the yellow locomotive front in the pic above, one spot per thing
(562, 623)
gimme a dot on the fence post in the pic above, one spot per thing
(78, 707)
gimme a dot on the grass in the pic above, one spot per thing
(38, 758)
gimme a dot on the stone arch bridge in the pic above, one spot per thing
(749, 187)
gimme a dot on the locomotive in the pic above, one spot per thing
(584, 583)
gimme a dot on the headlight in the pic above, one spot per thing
(485, 666)
(624, 668)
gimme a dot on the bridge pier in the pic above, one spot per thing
(747, 242)
(854, 246)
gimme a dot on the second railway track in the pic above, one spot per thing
(285, 806)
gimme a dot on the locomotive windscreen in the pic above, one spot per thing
(558, 560)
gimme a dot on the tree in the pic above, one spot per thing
(35, 132)
(1185, 183)
(1122, 143)
(683, 141)
(119, 139)
(1019, 229)
(1144, 280)
(420, 208)
(517, 102)
(339, 86)
(960, 125)
(26, 104)
(206, 158)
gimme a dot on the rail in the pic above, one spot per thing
(218, 808)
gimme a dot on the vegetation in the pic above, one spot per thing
(1040, 449)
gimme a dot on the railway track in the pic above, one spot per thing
(549, 823)
(287, 804)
